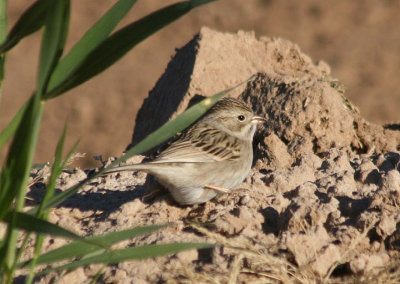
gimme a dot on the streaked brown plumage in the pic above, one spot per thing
(210, 157)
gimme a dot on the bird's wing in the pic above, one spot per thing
(202, 143)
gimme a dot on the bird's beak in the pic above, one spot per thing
(258, 119)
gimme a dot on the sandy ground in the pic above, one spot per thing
(320, 205)
(358, 39)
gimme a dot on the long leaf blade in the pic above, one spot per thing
(118, 44)
(29, 22)
(53, 41)
(57, 168)
(142, 252)
(33, 224)
(14, 175)
(12, 126)
(3, 36)
(15, 172)
(55, 172)
(160, 135)
(13, 178)
(78, 248)
(93, 37)
(180, 123)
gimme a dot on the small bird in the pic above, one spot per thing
(209, 158)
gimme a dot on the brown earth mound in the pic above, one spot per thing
(321, 203)
(311, 116)
(305, 106)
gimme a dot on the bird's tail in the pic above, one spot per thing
(135, 167)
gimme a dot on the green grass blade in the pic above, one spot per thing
(44, 205)
(142, 252)
(33, 224)
(52, 45)
(3, 35)
(11, 127)
(160, 135)
(119, 43)
(29, 22)
(14, 175)
(53, 41)
(16, 170)
(56, 170)
(172, 127)
(93, 37)
(57, 199)
(79, 249)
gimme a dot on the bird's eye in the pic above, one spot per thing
(241, 117)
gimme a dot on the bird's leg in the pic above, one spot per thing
(153, 189)
(216, 188)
